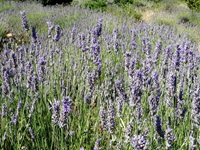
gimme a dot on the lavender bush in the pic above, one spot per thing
(93, 86)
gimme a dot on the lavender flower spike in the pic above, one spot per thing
(66, 110)
(57, 34)
(56, 110)
(24, 21)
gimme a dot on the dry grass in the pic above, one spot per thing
(147, 15)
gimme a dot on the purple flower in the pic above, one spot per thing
(33, 35)
(56, 111)
(128, 131)
(66, 110)
(158, 126)
(57, 33)
(103, 115)
(169, 137)
(24, 21)
(31, 133)
(50, 27)
(73, 32)
(41, 69)
(3, 110)
(134, 42)
(139, 142)
(97, 143)
(157, 50)
(195, 116)
(127, 60)
(111, 118)
(99, 27)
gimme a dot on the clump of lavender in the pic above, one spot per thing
(154, 98)
(180, 111)
(169, 135)
(97, 143)
(41, 69)
(158, 126)
(136, 91)
(140, 142)
(99, 27)
(50, 27)
(170, 138)
(19, 106)
(82, 42)
(171, 93)
(121, 90)
(24, 20)
(6, 75)
(127, 60)
(111, 117)
(3, 110)
(134, 42)
(119, 145)
(193, 142)
(32, 108)
(58, 33)
(73, 33)
(66, 110)
(119, 103)
(103, 115)
(196, 107)
(13, 59)
(153, 104)
(157, 50)
(128, 131)
(115, 40)
(33, 35)
(56, 112)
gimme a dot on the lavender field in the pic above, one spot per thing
(97, 82)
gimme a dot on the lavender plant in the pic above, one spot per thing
(97, 85)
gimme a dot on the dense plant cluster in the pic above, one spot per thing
(49, 2)
(194, 4)
(91, 86)
(96, 4)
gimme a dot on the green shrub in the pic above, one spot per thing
(156, 1)
(54, 2)
(122, 2)
(49, 2)
(96, 4)
(194, 4)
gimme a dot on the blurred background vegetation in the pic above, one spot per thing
(183, 14)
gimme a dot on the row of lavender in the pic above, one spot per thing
(132, 88)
